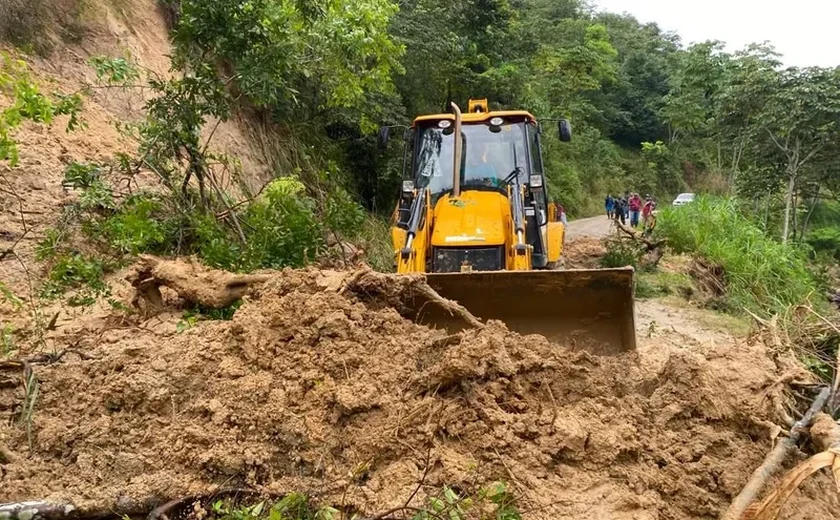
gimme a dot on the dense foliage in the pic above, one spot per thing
(649, 115)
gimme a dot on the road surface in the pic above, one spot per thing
(596, 227)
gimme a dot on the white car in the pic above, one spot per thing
(683, 199)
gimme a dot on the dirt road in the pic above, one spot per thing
(595, 227)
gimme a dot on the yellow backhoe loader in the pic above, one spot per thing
(474, 214)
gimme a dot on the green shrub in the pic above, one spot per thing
(621, 253)
(213, 242)
(284, 228)
(294, 506)
(342, 214)
(48, 246)
(7, 340)
(76, 271)
(761, 275)
(375, 238)
(139, 226)
(81, 175)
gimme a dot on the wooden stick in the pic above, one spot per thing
(773, 462)
(825, 435)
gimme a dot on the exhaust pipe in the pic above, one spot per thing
(456, 167)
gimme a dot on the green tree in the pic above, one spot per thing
(801, 122)
(290, 57)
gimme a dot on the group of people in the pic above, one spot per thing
(630, 207)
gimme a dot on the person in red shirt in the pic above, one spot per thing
(635, 206)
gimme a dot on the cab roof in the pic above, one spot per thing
(479, 117)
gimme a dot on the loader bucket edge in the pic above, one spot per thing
(590, 309)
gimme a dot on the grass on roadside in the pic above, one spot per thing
(759, 274)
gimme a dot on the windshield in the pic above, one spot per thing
(686, 196)
(487, 157)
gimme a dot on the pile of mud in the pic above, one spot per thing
(584, 253)
(321, 389)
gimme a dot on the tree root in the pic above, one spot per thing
(198, 285)
(408, 294)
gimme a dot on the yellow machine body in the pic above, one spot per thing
(496, 248)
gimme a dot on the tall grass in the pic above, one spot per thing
(761, 274)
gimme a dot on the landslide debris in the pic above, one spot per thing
(319, 384)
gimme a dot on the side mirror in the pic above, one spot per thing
(384, 134)
(565, 130)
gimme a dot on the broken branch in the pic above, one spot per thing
(774, 460)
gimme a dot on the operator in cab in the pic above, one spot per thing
(478, 171)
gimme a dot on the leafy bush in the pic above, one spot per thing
(621, 253)
(28, 103)
(294, 506)
(114, 71)
(375, 238)
(76, 271)
(81, 175)
(213, 242)
(139, 225)
(761, 275)
(284, 228)
(342, 214)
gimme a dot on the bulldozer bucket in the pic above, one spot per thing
(590, 309)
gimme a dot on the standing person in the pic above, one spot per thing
(635, 204)
(620, 205)
(561, 214)
(647, 209)
(626, 199)
(609, 205)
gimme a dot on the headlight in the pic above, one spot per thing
(408, 186)
(444, 123)
(497, 121)
(536, 181)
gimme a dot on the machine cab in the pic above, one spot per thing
(495, 147)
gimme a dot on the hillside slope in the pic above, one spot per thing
(32, 195)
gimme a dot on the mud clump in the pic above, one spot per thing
(584, 253)
(318, 386)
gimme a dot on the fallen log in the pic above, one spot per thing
(774, 460)
(44, 510)
(650, 245)
(195, 283)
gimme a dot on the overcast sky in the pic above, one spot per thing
(806, 32)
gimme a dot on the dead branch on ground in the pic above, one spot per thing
(654, 250)
(774, 460)
(403, 293)
(638, 237)
(825, 434)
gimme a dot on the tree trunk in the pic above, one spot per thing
(788, 205)
(767, 211)
(807, 219)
